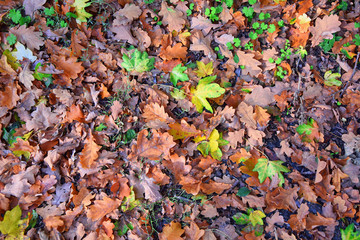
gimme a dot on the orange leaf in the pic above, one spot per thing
(159, 145)
(172, 231)
(178, 51)
(75, 114)
(70, 66)
(90, 152)
(102, 207)
(156, 117)
(9, 97)
(193, 232)
(261, 116)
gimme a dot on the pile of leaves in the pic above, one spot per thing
(179, 119)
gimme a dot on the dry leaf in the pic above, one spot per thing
(90, 152)
(250, 63)
(172, 17)
(102, 207)
(28, 36)
(172, 231)
(324, 28)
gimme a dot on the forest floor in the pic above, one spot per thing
(179, 119)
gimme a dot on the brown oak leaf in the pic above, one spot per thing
(28, 36)
(172, 231)
(9, 97)
(102, 207)
(260, 96)
(245, 112)
(156, 117)
(158, 145)
(250, 63)
(183, 130)
(202, 44)
(177, 51)
(172, 17)
(324, 28)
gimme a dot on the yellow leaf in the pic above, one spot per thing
(256, 217)
(204, 70)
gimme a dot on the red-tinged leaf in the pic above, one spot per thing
(183, 130)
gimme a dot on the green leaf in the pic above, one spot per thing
(138, 63)
(241, 219)
(349, 234)
(304, 128)
(248, 11)
(252, 2)
(204, 70)
(256, 217)
(12, 225)
(81, 14)
(357, 39)
(15, 15)
(253, 35)
(204, 148)
(330, 79)
(177, 73)
(11, 39)
(205, 90)
(271, 28)
(267, 168)
(49, 11)
(101, 127)
(243, 192)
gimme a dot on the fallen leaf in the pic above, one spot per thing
(28, 36)
(9, 97)
(193, 232)
(156, 117)
(172, 231)
(100, 208)
(172, 17)
(324, 28)
(202, 23)
(199, 43)
(251, 64)
(261, 116)
(245, 112)
(32, 5)
(158, 145)
(260, 96)
(177, 51)
(90, 152)
(183, 130)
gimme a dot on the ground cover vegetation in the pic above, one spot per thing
(179, 119)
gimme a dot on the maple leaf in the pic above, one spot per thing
(267, 168)
(80, 6)
(183, 130)
(349, 234)
(171, 17)
(212, 145)
(206, 89)
(12, 225)
(90, 152)
(159, 145)
(204, 70)
(177, 73)
(139, 62)
(324, 28)
(256, 217)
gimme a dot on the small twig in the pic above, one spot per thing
(351, 77)
(232, 186)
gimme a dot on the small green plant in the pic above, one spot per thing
(122, 229)
(211, 145)
(327, 44)
(331, 79)
(301, 51)
(252, 219)
(253, 35)
(249, 46)
(356, 40)
(11, 39)
(139, 62)
(349, 233)
(281, 23)
(280, 73)
(306, 127)
(191, 8)
(248, 12)
(237, 42)
(213, 13)
(129, 202)
(177, 73)
(17, 18)
(53, 19)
